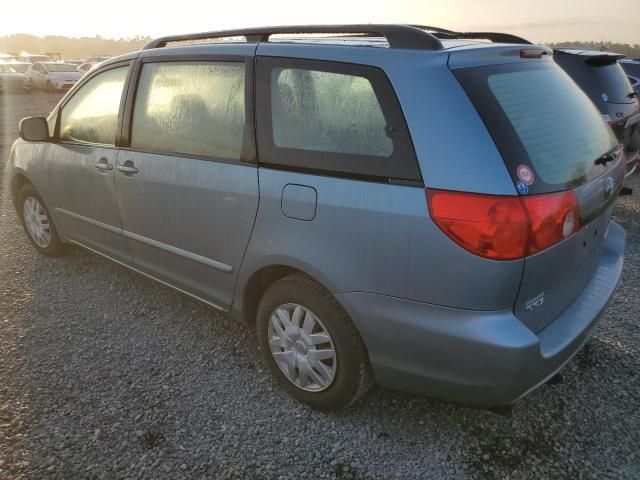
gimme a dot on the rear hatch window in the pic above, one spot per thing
(547, 130)
(614, 83)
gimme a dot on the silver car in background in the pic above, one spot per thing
(13, 77)
(384, 203)
(52, 76)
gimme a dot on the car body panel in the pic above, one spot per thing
(401, 252)
(484, 359)
(188, 221)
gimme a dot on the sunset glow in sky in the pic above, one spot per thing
(538, 20)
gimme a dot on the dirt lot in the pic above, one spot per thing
(104, 374)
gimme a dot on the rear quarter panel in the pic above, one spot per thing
(373, 237)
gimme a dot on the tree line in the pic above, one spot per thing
(84, 47)
(70, 48)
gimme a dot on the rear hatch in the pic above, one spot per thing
(619, 98)
(552, 139)
(608, 85)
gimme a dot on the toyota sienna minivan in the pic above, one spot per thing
(381, 203)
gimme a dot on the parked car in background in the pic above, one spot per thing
(13, 77)
(52, 76)
(602, 78)
(86, 66)
(331, 193)
(632, 69)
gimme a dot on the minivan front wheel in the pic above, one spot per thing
(38, 224)
(310, 344)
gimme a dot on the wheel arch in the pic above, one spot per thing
(250, 291)
(18, 180)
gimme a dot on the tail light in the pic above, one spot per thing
(504, 227)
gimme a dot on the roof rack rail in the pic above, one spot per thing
(398, 36)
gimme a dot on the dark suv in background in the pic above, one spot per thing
(607, 85)
(632, 69)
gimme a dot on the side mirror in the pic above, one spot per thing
(34, 129)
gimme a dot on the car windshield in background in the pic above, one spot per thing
(538, 117)
(60, 67)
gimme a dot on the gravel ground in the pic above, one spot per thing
(105, 374)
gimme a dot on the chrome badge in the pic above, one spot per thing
(535, 302)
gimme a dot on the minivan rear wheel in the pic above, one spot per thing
(310, 344)
(38, 224)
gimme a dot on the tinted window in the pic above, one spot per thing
(91, 116)
(194, 108)
(538, 116)
(327, 111)
(613, 83)
(331, 117)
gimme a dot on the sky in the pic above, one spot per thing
(538, 20)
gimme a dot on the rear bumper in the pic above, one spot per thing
(480, 358)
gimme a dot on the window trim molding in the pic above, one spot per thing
(401, 166)
(248, 150)
(76, 88)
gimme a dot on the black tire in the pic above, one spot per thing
(55, 248)
(352, 378)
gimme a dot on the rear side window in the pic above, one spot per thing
(540, 118)
(191, 108)
(332, 117)
(91, 115)
(326, 111)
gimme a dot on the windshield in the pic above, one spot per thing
(541, 120)
(59, 67)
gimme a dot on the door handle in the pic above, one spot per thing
(128, 168)
(103, 164)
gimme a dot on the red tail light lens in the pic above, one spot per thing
(504, 227)
(553, 218)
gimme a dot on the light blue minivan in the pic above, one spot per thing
(382, 203)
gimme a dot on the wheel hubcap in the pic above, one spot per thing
(302, 347)
(37, 222)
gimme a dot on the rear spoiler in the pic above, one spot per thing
(601, 60)
(495, 37)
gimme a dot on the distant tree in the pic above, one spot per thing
(71, 47)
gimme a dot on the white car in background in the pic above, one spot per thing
(54, 76)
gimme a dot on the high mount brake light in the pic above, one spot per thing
(533, 53)
(504, 227)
